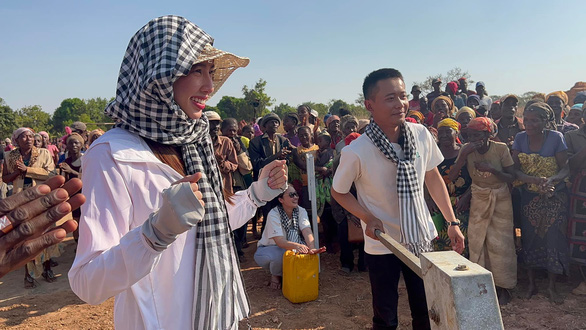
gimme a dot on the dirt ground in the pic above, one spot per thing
(344, 302)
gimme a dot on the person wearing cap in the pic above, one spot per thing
(265, 149)
(436, 84)
(452, 90)
(490, 226)
(541, 163)
(558, 102)
(580, 98)
(290, 124)
(576, 142)
(414, 103)
(509, 124)
(156, 232)
(81, 129)
(485, 101)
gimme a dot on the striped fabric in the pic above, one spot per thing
(291, 225)
(159, 53)
(415, 231)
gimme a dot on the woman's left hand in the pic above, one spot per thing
(317, 251)
(20, 165)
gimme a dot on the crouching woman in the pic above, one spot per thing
(287, 228)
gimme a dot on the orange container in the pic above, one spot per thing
(300, 277)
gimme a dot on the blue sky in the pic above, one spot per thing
(305, 50)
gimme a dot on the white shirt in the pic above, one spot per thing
(273, 227)
(375, 177)
(123, 181)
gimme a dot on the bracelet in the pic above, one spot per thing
(455, 223)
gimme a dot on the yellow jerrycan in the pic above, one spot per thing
(300, 277)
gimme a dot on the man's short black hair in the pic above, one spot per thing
(370, 81)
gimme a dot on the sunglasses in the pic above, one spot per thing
(293, 194)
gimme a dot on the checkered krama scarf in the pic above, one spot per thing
(159, 53)
(413, 212)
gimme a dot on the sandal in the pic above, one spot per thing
(275, 282)
(49, 276)
(29, 282)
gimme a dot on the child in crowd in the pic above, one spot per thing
(323, 184)
(298, 167)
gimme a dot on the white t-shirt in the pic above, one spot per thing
(274, 229)
(375, 177)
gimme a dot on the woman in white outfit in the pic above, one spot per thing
(165, 250)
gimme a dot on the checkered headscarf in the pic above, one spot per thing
(291, 225)
(415, 231)
(159, 53)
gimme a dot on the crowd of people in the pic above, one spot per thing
(171, 188)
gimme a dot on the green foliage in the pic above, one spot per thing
(256, 95)
(283, 109)
(89, 111)
(7, 120)
(230, 106)
(33, 117)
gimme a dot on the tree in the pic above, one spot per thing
(231, 107)
(69, 111)
(33, 117)
(7, 120)
(452, 75)
(256, 100)
(283, 109)
(336, 105)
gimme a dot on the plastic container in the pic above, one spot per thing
(300, 277)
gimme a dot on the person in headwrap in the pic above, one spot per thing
(459, 190)
(464, 116)
(576, 142)
(416, 115)
(509, 124)
(53, 150)
(490, 227)
(38, 140)
(156, 232)
(333, 129)
(541, 156)
(442, 107)
(558, 102)
(94, 135)
(25, 167)
(452, 90)
(473, 102)
(348, 124)
(575, 115)
(485, 101)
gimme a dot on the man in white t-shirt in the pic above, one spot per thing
(389, 165)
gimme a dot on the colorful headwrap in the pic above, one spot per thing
(562, 95)
(578, 106)
(18, 132)
(448, 100)
(449, 122)
(481, 124)
(417, 114)
(77, 137)
(411, 120)
(466, 110)
(351, 137)
(331, 119)
(44, 134)
(453, 86)
(545, 112)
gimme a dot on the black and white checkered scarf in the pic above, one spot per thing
(291, 225)
(414, 216)
(159, 53)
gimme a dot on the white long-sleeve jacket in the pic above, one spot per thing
(123, 181)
